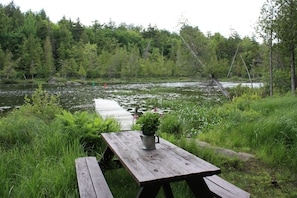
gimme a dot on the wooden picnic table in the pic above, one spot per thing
(153, 169)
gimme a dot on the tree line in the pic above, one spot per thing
(278, 27)
(31, 46)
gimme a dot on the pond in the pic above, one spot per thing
(80, 97)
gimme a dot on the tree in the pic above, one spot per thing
(47, 67)
(5, 23)
(287, 32)
(132, 67)
(82, 72)
(157, 62)
(31, 56)
(9, 69)
(65, 68)
(30, 25)
(92, 65)
(103, 60)
(64, 41)
(77, 30)
(279, 21)
(267, 25)
(199, 46)
(11, 37)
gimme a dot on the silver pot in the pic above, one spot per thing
(149, 141)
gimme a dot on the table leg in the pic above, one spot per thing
(107, 156)
(167, 190)
(199, 187)
(148, 191)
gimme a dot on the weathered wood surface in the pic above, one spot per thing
(167, 163)
(110, 108)
(91, 181)
(221, 188)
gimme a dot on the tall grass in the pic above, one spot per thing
(266, 127)
(42, 168)
(39, 143)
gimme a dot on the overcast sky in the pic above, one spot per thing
(208, 15)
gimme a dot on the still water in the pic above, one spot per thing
(80, 97)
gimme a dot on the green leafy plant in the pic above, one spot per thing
(86, 127)
(149, 123)
(42, 104)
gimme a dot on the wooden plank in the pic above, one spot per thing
(91, 181)
(224, 189)
(166, 163)
(110, 108)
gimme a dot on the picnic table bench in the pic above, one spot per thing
(91, 181)
(222, 188)
(153, 169)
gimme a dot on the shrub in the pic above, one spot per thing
(85, 127)
(43, 104)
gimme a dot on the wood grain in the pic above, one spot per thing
(91, 181)
(167, 163)
(222, 188)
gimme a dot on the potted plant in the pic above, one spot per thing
(149, 123)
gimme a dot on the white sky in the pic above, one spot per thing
(208, 15)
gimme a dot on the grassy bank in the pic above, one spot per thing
(266, 128)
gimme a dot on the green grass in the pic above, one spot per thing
(39, 143)
(266, 127)
(41, 168)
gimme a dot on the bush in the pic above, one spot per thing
(43, 104)
(86, 127)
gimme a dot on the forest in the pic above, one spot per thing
(31, 46)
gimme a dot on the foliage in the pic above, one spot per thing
(240, 90)
(40, 48)
(267, 128)
(196, 118)
(17, 130)
(42, 104)
(281, 81)
(171, 124)
(278, 28)
(39, 143)
(30, 144)
(149, 123)
(86, 128)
